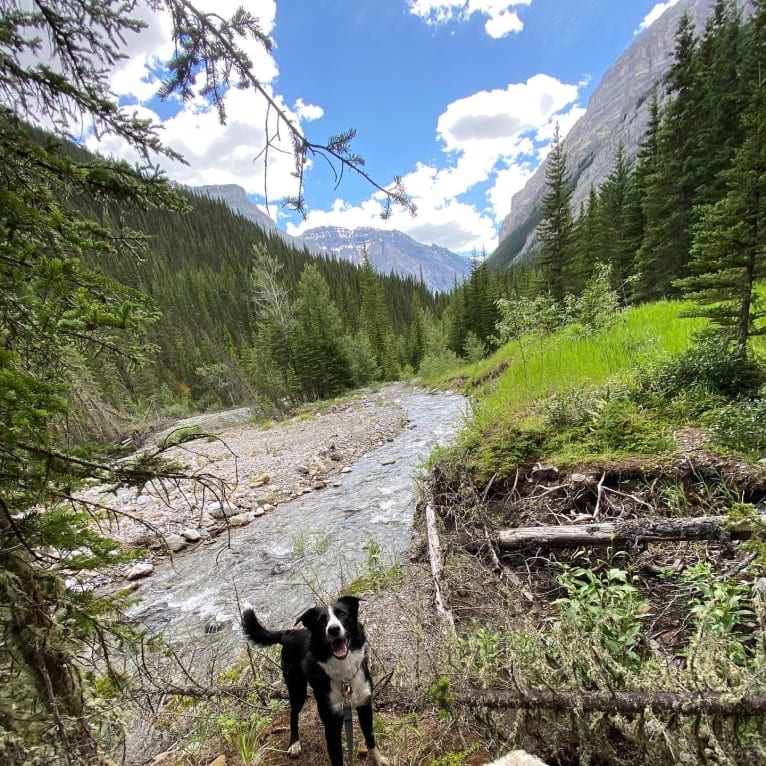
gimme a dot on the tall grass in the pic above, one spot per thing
(503, 430)
(540, 367)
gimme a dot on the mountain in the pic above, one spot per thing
(389, 251)
(236, 198)
(618, 112)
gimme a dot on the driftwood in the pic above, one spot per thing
(682, 703)
(633, 531)
(435, 557)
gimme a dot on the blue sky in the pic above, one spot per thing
(459, 97)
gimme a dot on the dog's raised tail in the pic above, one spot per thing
(256, 632)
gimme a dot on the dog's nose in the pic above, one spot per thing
(333, 630)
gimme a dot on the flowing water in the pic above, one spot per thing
(309, 548)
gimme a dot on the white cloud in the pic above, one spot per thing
(215, 153)
(502, 19)
(491, 140)
(654, 14)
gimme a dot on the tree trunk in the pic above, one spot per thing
(634, 531)
(683, 703)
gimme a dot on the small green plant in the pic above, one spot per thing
(480, 653)
(322, 544)
(380, 574)
(722, 607)
(299, 544)
(439, 693)
(608, 606)
(740, 426)
(455, 758)
(746, 514)
(244, 736)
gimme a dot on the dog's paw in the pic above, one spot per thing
(376, 758)
(294, 750)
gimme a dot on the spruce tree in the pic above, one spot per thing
(669, 185)
(556, 230)
(322, 365)
(729, 250)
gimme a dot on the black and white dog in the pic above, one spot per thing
(330, 653)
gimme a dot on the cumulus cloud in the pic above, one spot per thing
(214, 153)
(502, 19)
(491, 140)
(654, 14)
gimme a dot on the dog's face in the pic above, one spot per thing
(334, 626)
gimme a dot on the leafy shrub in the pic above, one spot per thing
(617, 424)
(608, 606)
(723, 608)
(434, 364)
(740, 426)
(711, 365)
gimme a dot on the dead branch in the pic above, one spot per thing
(435, 558)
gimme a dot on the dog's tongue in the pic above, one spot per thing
(340, 648)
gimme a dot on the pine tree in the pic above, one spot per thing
(614, 237)
(376, 319)
(556, 230)
(729, 250)
(322, 366)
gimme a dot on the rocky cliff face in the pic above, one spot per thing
(236, 198)
(391, 251)
(618, 112)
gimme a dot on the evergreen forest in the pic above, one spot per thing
(128, 300)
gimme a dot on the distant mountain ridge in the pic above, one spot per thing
(618, 113)
(389, 251)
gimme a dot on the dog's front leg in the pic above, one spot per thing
(364, 712)
(333, 730)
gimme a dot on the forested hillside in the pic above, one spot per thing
(215, 279)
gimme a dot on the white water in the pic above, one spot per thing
(309, 548)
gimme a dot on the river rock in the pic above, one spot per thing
(138, 571)
(191, 535)
(175, 542)
(241, 519)
(219, 510)
(259, 480)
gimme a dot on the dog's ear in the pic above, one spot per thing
(351, 603)
(308, 618)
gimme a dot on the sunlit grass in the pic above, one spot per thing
(540, 367)
(507, 388)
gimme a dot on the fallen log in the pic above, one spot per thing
(435, 558)
(632, 531)
(682, 703)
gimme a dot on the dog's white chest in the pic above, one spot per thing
(355, 692)
(344, 690)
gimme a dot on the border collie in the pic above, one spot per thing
(330, 653)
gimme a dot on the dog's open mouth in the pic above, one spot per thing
(340, 648)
